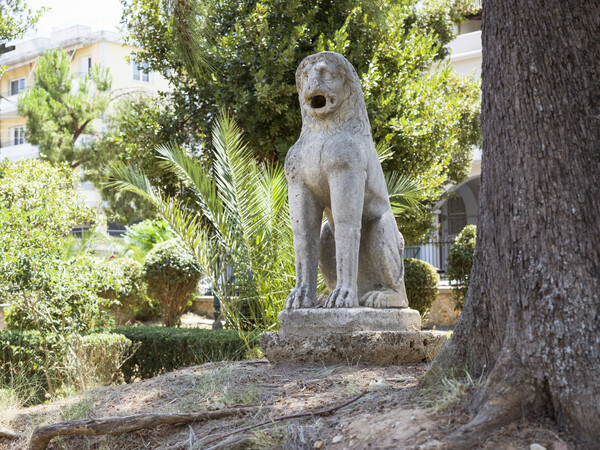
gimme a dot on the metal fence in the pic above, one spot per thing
(434, 251)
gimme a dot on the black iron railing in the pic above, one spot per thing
(434, 251)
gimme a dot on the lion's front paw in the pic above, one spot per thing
(299, 298)
(342, 297)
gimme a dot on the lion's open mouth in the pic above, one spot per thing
(318, 101)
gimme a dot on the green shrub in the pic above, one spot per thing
(33, 357)
(421, 281)
(130, 294)
(165, 349)
(66, 298)
(44, 364)
(459, 263)
(172, 275)
(103, 354)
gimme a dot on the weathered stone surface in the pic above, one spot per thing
(348, 320)
(342, 335)
(368, 347)
(333, 169)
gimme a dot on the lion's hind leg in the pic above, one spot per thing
(381, 282)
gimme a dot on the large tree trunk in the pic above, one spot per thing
(531, 324)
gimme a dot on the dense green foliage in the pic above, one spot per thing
(421, 281)
(68, 299)
(165, 349)
(143, 236)
(39, 205)
(460, 262)
(31, 357)
(172, 275)
(243, 57)
(57, 116)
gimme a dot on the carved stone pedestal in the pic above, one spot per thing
(350, 336)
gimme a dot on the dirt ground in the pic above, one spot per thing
(392, 414)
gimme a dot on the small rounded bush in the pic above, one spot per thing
(131, 290)
(421, 281)
(172, 275)
(459, 263)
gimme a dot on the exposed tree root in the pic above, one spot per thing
(42, 436)
(5, 433)
(504, 398)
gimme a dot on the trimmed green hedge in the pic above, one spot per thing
(165, 349)
(157, 350)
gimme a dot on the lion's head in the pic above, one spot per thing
(330, 94)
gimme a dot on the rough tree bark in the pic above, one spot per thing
(531, 324)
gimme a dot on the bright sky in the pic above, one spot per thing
(99, 14)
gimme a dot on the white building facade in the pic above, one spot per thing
(84, 48)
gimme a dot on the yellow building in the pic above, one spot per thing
(85, 48)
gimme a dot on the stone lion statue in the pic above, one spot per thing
(334, 169)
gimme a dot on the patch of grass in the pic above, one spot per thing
(79, 410)
(327, 371)
(15, 392)
(254, 353)
(266, 439)
(449, 391)
(220, 386)
(301, 435)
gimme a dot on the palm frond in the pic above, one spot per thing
(383, 151)
(403, 192)
(175, 160)
(237, 178)
(123, 177)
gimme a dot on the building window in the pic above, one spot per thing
(17, 86)
(85, 64)
(17, 135)
(140, 71)
(457, 214)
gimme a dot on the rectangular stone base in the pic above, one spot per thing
(368, 347)
(351, 335)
